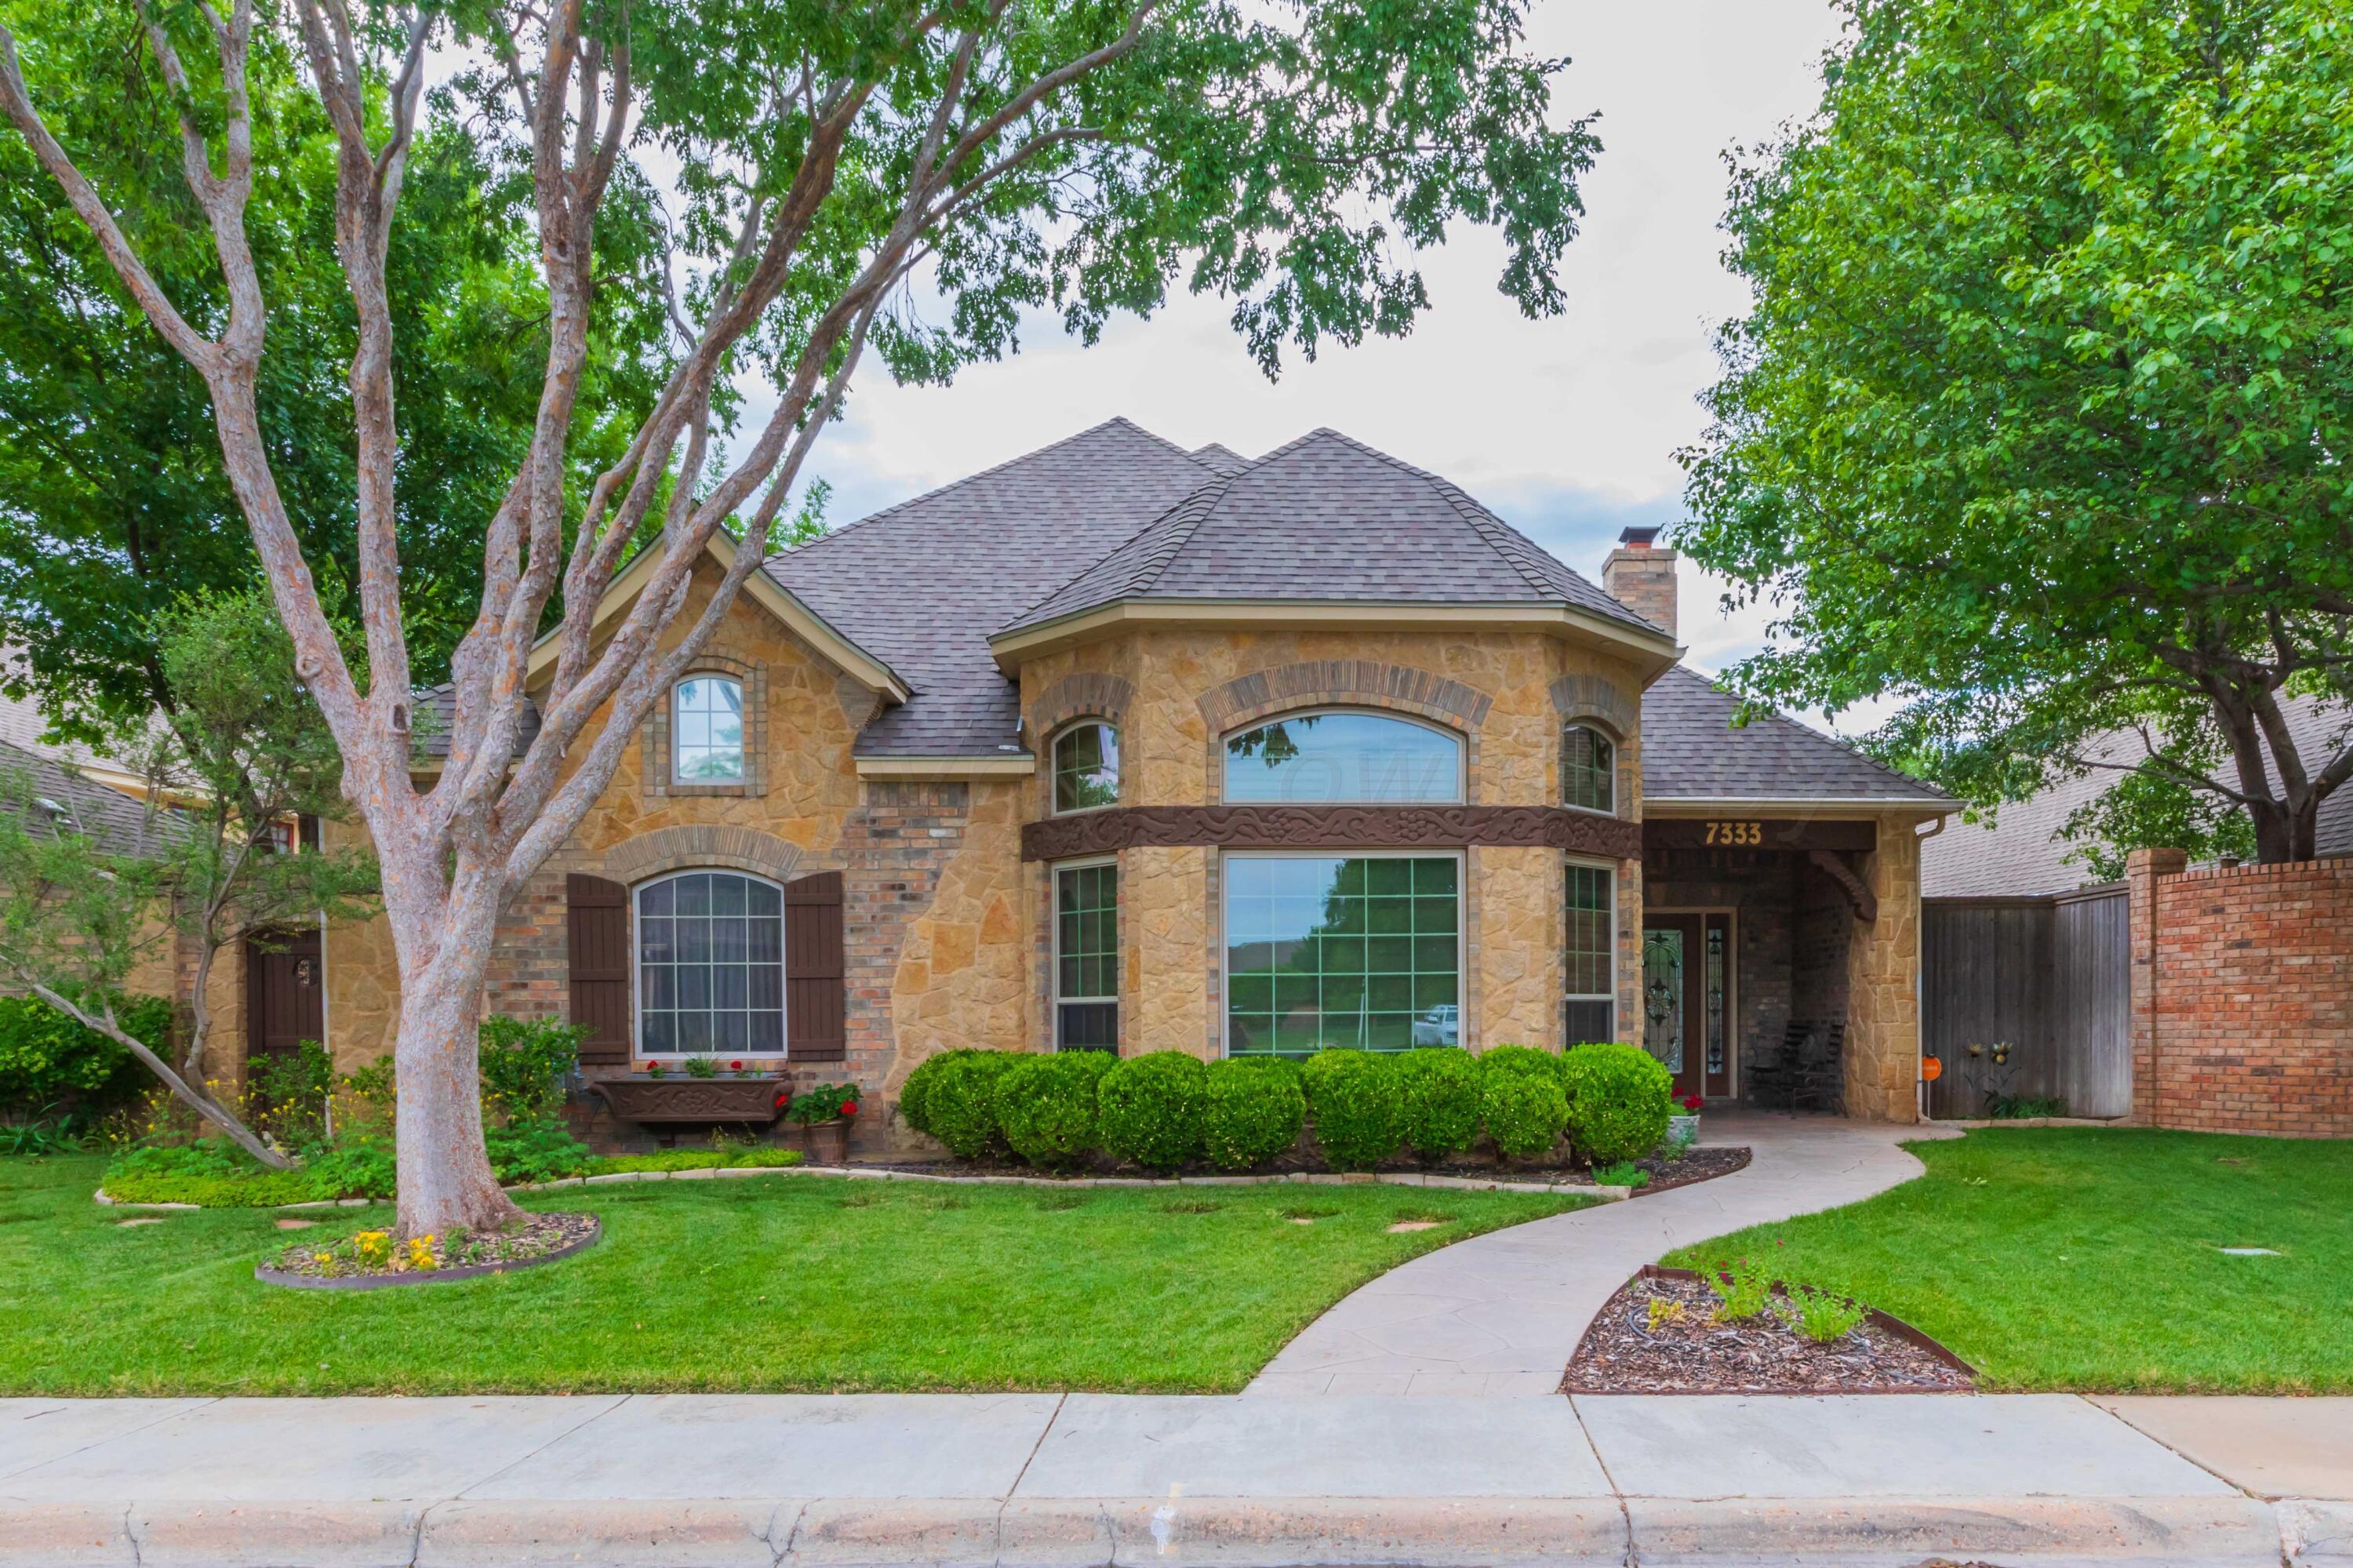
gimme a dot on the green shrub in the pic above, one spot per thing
(1151, 1109)
(1438, 1100)
(1252, 1110)
(1046, 1106)
(47, 1058)
(1619, 1100)
(540, 1149)
(1352, 1097)
(959, 1100)
(1521, 1101)
(914, 1094)
(354, 1167)
(523, 1061)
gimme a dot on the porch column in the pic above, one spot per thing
(1882, 966)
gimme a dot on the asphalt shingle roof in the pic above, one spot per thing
(119, 823)
(1690, 751)
(1324, 519)
(2021, 853)
(921, 585)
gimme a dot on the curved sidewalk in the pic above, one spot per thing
(1500, 1314)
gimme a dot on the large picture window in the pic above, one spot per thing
(711, 966)
(1360, 951)
(1348, 758)
(1086, 768)
(1086, 957)
(707, 731)
(1588, 768)
(1591, 954)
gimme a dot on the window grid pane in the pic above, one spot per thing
(1086, 953)
(1357, 951)
(711, 966)
(1086, 768)
(1588, 769)
(707, 731)
(1588, 957)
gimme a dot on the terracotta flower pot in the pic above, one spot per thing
(825, 1143)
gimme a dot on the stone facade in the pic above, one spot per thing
(1883, 982)
(2241, 994)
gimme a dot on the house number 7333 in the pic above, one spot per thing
(1735, 835)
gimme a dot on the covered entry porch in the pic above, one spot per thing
(1781, 954)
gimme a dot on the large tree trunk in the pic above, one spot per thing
(446, 1182)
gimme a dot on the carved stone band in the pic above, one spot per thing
(1332, 827)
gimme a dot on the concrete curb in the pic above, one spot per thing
(1224, 1532)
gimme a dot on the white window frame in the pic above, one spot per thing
(1461, 756)
(637, 978)
(1054, 806)
(1054, 924)
(742, 747)
(1226, 950)
(1608, 869)
(1567, 725)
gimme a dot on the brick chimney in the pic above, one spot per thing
(1641, 575)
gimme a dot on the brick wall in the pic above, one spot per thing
(2242, 996)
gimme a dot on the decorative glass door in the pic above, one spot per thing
(1662, 995)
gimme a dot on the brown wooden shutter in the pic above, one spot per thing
(816, 1008)
(596, 926)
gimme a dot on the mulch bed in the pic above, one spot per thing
(1692, 1353)
(350, 1263)
(1696, 1165)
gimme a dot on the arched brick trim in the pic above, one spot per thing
(653, 737)
(1085, 694)
(1591, 697)
(1345, 682)
(702, 844)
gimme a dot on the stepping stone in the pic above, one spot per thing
(2248, 1252)
(296, 1224)
(126, 1225)
(1302, 1220)
(1414, 1225)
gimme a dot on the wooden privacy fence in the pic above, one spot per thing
(2051, 976)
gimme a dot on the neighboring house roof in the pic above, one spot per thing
(1328, 519)
(2021, 853)
(119, 823)
(1691, 751)
(436, 707)
(26, 727)
(923, 584)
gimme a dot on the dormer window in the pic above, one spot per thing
(1588, 769)
(707, 730)
(1086, 766)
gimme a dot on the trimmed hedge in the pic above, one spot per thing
(958, 1102)
(1046, 1106)
(1521, 1101)
(1353, 1096)
(915, 1094)
(1438, 1100)
(1152, 1110)
(1619, 1097)
(1252, 1109)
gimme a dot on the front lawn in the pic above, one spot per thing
(2090, 1259)
(772, 1284)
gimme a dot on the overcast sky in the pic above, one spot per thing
(1566, 427)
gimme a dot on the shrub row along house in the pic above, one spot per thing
(1123, 747)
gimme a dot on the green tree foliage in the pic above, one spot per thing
(113, 503)
(2039, 420)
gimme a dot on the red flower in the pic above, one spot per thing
(849, 1108)
(782, 1095)
(735, 1067)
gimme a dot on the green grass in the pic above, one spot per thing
(773, 1284)
(2088, 1259)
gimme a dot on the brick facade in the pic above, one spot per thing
(2242, 986)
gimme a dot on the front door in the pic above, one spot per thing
(1674, 997)
(285, 996)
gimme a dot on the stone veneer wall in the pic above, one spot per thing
(2241, 987)
(1882, 975)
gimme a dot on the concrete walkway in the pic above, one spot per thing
(1500, 1314)
(679, 1481)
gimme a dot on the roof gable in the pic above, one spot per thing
(1691, 751)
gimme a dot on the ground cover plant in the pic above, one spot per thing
(797, 1283)
(2091, 1259)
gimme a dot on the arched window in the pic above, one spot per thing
(1588, 768)
(707, 730)
(1344, 758)
(711, 964)
(1086, 766)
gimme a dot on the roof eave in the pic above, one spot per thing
(1653, 651)
(1704, 805)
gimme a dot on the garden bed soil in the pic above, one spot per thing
(1621, 1352)
(1696, 1165)
(337, 1265)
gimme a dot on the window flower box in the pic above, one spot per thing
(677, 1099)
